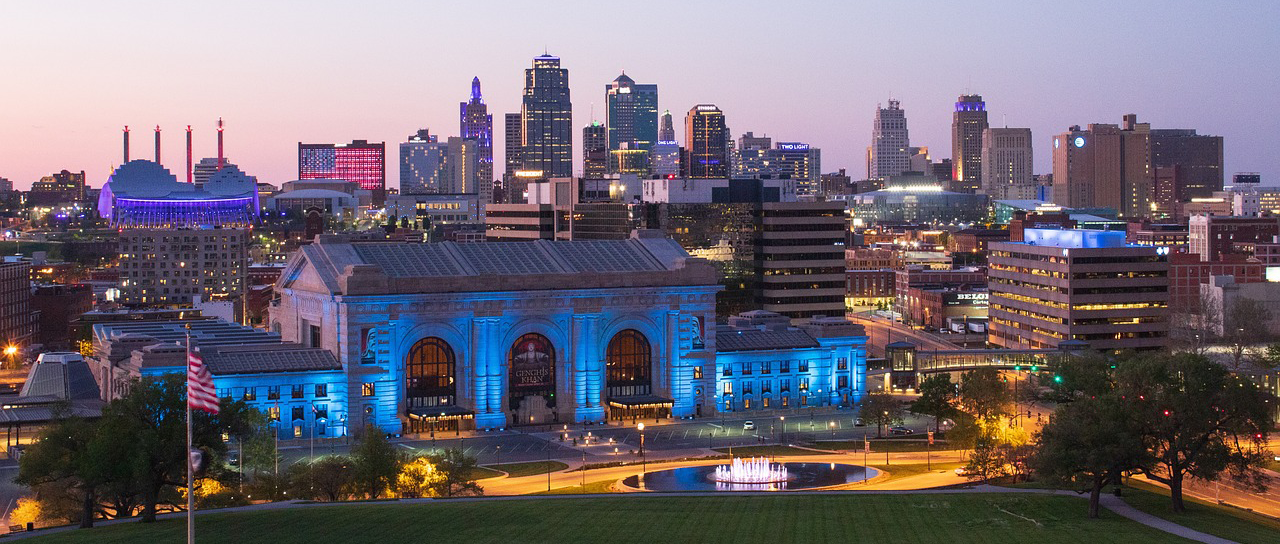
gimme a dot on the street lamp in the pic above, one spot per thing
(783, 437)
(643, 462)
(9, 351)
(832, 425)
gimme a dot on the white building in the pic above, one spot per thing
(429, 166)
(1007, 168)
(890, 153)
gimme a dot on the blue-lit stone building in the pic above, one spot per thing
(491, 335)
(505, 333)
(302, 389)
(763, 363)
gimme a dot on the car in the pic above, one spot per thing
(748, 426)
(961, 471)
(900, 430)
(233, 458)
(858, 422)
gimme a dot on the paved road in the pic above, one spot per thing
(881, 332)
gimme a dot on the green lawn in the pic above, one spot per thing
(768, 451)
(481, 473)
(949, 519)
(912, 469)
(602, 486)
(1224, 521)
(516, 470)
(895, 446)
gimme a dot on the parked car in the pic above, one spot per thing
(900, 430)
(233, 458)
(748, 426)
(961, 471)
(858, 422)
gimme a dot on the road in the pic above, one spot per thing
(881, 332)
(609, 442)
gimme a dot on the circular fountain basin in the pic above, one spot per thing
(800, 476)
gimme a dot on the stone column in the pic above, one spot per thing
(588, 368)
(488, 369)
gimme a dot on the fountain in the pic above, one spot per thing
(756, 470)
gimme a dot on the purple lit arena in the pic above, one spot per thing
(144, 194)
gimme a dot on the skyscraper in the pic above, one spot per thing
(595, 150)
(706, 141)
(357, 162)
(475, 123)
(631, 114)
(1198, 158)
(429, 166)
(666, 132)
(1006, 164)
(547, 119)
(889, 154)
(1105, 166)
(967, 124)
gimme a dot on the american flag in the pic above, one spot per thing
(201, 394)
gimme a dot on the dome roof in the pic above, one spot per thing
(144, 179)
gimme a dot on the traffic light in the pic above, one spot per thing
(1017, 368)
(1057, 378)
(1035, 368)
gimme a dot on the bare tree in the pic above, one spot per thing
(1244, 326)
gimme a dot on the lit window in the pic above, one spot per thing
(366, 389)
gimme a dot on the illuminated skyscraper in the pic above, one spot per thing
(475, 123)
(706, 139)
(889, 154)
(967, 124)
(631, 114)
(666, 132)
(1105, 166)
(595, 150)
(547, 119)
(358, 162)
(513, 132)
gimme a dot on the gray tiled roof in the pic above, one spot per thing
(515, 258)
(70, 380)
(268, 358)
(752, 340)
(204, 332)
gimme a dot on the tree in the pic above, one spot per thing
(937, 398)
(60, 456)
(881, 409)
(986, 460)
(1199, 420)
(983, 394)
(1089, 443)
(1080, 376)
(376, 462)
(458, 474)
(1244, 323)
(329, 478)
(419, 478)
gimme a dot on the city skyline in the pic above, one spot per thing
(79, 91)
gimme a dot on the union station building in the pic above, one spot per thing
(497, 334)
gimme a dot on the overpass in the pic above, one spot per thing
(906, 363)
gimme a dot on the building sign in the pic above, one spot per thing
(793, 147)
(532, 370)
(368, 343)
(965, 299)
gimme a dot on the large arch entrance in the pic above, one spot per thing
(629, 378)
(532, 366)
(431, 388)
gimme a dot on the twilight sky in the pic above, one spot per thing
(73, 73)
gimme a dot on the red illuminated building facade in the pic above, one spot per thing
(357, 162)
(1187, 272)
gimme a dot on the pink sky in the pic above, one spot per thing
(282, 72)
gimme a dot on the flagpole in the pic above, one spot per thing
(191, 492)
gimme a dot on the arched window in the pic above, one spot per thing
(429, 374)
(628, 364)
(533, 370)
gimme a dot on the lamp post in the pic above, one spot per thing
(9, 351)
(832, 425)
(783, 437)
(644, 465)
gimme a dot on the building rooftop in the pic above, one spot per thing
(204, 332)
(337, 264)
(728, 339)
(1073, 238)
(268, 358)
